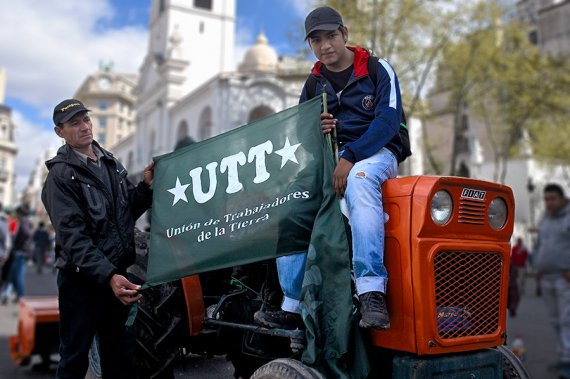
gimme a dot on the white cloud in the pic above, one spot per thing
(48, 49)
(31, 141)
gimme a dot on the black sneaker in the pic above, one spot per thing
(374, 311)
(279, 319)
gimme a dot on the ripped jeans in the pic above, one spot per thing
(364, 201)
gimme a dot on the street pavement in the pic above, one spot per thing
(539, 338)
(45, 285)
(36, 285)
(530, 323)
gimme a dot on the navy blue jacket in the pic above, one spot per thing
(368, 115)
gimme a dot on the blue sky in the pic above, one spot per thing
(49, 47)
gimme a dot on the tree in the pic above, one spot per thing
(522, 91)
(410, 34)
(550, 134)
(464, 64)
(496, 75)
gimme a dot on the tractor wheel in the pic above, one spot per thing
(286, 368)
(513, 368)
(160, 322)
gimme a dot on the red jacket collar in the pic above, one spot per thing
(360, 62)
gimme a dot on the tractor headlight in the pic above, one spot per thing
(497, 214)
(441, 207)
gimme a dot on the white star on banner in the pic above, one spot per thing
(288, 153)
(179, 192)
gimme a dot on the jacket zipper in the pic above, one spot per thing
(101, 186)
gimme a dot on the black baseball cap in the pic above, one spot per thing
(65, 110)
(322, 18)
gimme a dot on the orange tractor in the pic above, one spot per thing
(447, 253)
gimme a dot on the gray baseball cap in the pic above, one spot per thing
(323, 18)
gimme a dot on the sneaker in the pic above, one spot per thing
(279, 319)
(374, 311)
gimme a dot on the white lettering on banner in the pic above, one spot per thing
(230, 164)
(242, 224)
(236, 220)
(171, 232)
(196, 176)
(257, 153)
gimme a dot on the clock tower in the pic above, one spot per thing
(110, 97)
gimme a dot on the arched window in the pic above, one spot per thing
(259, 112)
(206, 124)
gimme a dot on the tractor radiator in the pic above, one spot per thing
(467, 293)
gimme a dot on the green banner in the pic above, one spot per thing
(246, 195)
(255, 193)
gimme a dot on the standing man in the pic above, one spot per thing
(553, 264)
(93, 208)
(366, 110)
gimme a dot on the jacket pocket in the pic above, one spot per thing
(93, 196)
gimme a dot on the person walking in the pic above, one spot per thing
(93, 208)
(41, 246)
(5, 244)
(519, 258)
(552, 263)
(365, 108)
(21, 251)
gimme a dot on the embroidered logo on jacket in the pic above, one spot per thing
(368, 102)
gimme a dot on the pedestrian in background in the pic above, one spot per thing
(514, 294)
(93, 208)
(519, 256)
(12, 223)
(41, 246)
(21, 251)
(517, 273)
(552, 262)
(5, 244)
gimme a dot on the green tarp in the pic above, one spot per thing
(254, 193)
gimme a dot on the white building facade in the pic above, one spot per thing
(188, 86)
(8, 149)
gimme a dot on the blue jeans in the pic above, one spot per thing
(556, 295)
(366, 214)
(16, 275)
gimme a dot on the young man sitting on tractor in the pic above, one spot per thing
(365, 110)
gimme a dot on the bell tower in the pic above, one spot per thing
(196, 35)
(190, 42)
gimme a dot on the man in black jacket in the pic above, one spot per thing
(93, 208)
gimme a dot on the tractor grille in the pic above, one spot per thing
(471, 212)
(467, 293)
